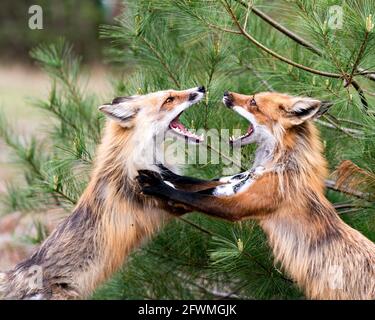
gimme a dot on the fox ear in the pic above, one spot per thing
(324, 107)
(306, 108)
(120, 110)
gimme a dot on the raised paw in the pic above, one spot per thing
(152, 191)
(148, 178)
(152, 183)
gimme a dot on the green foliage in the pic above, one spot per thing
(205, 263)
(62, 17)
(56, 168)
(183, 43)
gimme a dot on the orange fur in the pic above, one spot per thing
(326, 257)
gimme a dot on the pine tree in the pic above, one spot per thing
(223, 44)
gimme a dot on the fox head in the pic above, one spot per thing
(155, 113)
(270, 113)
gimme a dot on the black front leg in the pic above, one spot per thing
(175, 178)
(187, 183)
(197, 201)
(148, 178)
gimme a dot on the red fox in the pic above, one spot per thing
(112, 217)
(284, 191)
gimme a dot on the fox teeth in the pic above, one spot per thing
(233, 138)
(189, 134)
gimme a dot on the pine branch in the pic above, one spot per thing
(359, 56)
(360, 71)
(273, 53)
(26, 154)
(247, 13)
(203, 20)
(353, 133)
(282, 28)
(360, 93)
(352, 122)
(369, 92)
(159, 56)
(350, 207)
(212, 69)
(64, 68)
(250, 67)
(331, 184)
(211, 234)
(298, 39)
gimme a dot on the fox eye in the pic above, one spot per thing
(253, 102)
(170, 99)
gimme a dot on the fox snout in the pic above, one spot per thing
(228, 99)
(194, 95)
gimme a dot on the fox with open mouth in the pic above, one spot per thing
(284, 192)
(112, 217)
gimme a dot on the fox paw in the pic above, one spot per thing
(148, 178)
(151, 183)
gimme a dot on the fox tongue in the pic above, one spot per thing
(178, 125)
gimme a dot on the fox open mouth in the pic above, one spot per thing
(177, 127)
(249, 132)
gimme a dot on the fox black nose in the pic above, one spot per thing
(193, 96)
(228, 99)
(202, 89)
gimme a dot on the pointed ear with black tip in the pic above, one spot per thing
(122, 112)
(303, 109)
(324, 107)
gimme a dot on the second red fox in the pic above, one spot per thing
(284, 191)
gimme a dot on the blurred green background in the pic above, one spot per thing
(77, 21)
(22, 81)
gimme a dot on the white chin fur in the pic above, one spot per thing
(249, 117)
(260, 134)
